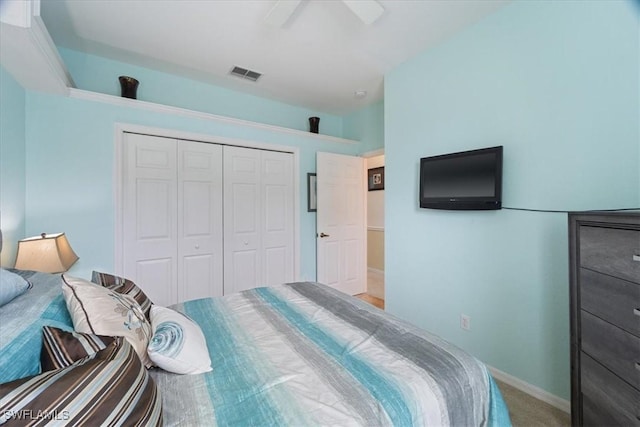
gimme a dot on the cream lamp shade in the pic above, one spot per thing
(48, 253)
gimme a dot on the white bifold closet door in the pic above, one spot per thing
(172, 217)
(202, 220)
(258, 218)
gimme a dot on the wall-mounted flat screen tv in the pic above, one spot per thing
(469, 180)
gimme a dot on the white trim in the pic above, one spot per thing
(18, 13)
(184, 112)
(118, 192)
(47, 47)
(540, 394)
(296, 215)
(121, 128)
(372, 228)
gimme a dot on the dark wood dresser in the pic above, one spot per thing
(604, 270)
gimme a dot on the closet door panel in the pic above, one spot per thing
(149, 212)
(277, 208)
(199, 248)
(155, 277)
(242, 219)
(244, 270)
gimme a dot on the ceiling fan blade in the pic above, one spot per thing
(281, 12)
(367, 10)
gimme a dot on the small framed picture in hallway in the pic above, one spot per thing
(376, 179)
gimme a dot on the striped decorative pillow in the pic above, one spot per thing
(61, 348)
(101, 311)
(111, 387)
(123, 286)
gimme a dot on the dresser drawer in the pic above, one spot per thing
(612, 251)
(606, 399)
(611, 346)
(614, 300)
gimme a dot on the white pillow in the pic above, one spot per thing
(100, 311)
(178, 344)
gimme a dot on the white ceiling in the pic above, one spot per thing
(317, 60)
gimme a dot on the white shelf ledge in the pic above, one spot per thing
(29, 54)
(184, 112)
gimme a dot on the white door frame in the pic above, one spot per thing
(368, 155)
(118, 184)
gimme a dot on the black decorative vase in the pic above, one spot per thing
(128, 86)
(314, 122)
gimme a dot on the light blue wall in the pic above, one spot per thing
(100, 74)
(12, 165)
(70, 167)
(366, 125)
(555, 84)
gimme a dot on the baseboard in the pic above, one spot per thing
(540, 394)
(375, 270)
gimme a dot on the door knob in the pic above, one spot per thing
(324, 235)
(197, 246)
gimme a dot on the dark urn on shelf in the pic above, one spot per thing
(128, 86)
(314, 122)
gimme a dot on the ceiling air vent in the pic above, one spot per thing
(245, 74)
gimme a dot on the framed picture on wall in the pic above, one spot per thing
(376, 178)
(311, 193)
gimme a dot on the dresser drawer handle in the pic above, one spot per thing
(636, 311)
(636, 258)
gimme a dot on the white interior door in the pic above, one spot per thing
(258, 218)
(149, 215)
(199, 220)
(341, 227)
(277, 219)
(242, 217)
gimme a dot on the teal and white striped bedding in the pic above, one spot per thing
(21, 322)
(304, 354)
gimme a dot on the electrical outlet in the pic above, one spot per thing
(465, 322)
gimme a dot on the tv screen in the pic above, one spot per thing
(469, 180)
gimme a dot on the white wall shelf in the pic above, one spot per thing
(29, 54)
(184, 112)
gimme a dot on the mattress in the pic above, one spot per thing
(306, 354)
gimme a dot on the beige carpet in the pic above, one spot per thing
(526, 410)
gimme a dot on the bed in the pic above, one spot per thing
(293, 354)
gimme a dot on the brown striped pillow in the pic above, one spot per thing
(61, 348)
(101, 311)
(123, 286)
(111, 387)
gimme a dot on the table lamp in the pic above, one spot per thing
(48, 253)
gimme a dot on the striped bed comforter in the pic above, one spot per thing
(303, 354)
